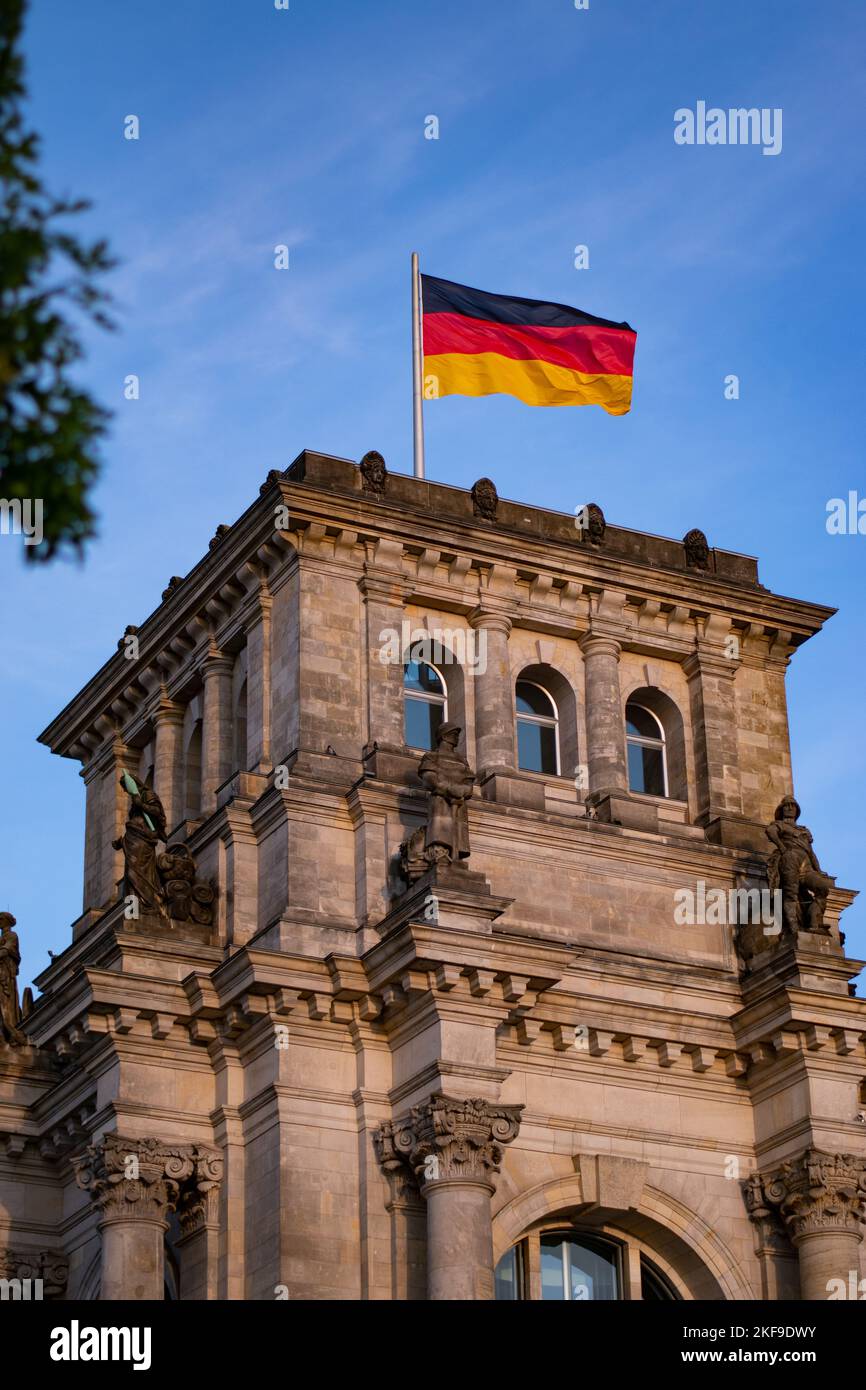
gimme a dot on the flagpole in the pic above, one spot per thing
(417, 370)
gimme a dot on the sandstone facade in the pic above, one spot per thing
(352, 1087)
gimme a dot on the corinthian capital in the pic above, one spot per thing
(814, 1193)
(145, 1178)
(449, 1140)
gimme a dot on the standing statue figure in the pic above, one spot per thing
(794, 868)
(145, 828)
(450, 781)
(10, 961)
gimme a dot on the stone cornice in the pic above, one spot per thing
(412, 517)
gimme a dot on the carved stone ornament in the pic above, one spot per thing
(221, 531)
(485, 499)
(697, 550)
(592, 523)
(449, 1140)
(51, 1266)
(813, 1193)
(174, 583)
(273, 477)
(374, 474)
(145, 1178)
(10, 962)
(793, 868)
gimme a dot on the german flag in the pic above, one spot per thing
(476, 344)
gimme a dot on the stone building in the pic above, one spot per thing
(311, 1049)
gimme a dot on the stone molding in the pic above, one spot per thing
(446, 1139)
(814, 1194)
(145, 1179)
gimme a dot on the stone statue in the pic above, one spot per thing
(10, 961)
(374, 474)
(697, 550)
(794, 868)
(485, 499)
(145, 827)
(450, 780)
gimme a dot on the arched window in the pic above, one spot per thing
(537, 729)
(425, 703)
(654, 1285)
(647, 762)
(578, 1266)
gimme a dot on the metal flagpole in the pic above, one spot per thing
(417, 370)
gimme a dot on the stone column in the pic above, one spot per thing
(454, 1148)
(216, 726)
(494, 697)
(137, 1183)
(168, 759)
(820, 1199)
(605, 729)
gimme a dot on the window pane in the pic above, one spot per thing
(646, 770)
(552, 1288)
(653, 1285)
(417, 675)
(533, 700)
(536, 747)
(593, 1269)
(422, 719)
(508, 1275)
(640, 721)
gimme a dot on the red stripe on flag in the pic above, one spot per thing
(585, 348)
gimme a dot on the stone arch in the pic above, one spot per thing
(563, 694)
(443, 648)
(669, 715)
(675, 1234)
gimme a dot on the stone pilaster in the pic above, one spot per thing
(494, 697)
(198, 1213)
(383, 615)
(454, 1148)
(718, 792)
(168, 774)
(820, 1199)
(216, 726)
(136, 1184)
(259, 757)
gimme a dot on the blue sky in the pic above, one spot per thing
(306, 127)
